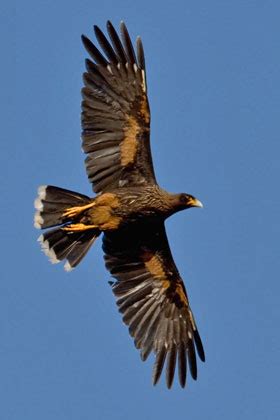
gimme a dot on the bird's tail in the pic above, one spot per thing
(61, 210)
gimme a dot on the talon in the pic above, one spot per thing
(78, 227)
(74, 211)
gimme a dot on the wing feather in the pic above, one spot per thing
(115, 112)
(182, 364)
(171, 364)
(140, 54)
(152, 299)
(192, 359)
(105, 45)
(159, 363)
(93, 51)
(130, 54)
(116, 43)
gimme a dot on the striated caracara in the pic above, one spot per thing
(129, 209)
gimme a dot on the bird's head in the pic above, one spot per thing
(185, 201)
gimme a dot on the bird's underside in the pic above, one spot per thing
(129, 209)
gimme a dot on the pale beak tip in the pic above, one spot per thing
(198, 203)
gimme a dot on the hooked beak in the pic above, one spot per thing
(194, 202)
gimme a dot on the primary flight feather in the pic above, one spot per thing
(129, 209)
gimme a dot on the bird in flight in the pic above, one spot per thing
(129, 208)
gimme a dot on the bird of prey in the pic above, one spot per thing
(129, 208)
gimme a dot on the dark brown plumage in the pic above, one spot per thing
(129, 209)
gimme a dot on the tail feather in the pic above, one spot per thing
(60, 243)
(52, 202)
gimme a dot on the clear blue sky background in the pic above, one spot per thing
(213, 77)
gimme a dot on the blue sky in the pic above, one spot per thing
(213, 78)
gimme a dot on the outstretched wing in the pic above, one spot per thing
(115, 113)
(152, 298)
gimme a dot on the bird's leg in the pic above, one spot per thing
(74, 211)
(78, 227)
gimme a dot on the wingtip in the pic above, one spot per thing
(84, 40)
(109, 24)
(183, 384)
(155, 381)
(169, 384)
(97, 30)
(123, 28)
(199, 345)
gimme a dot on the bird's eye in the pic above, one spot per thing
(183, 199)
